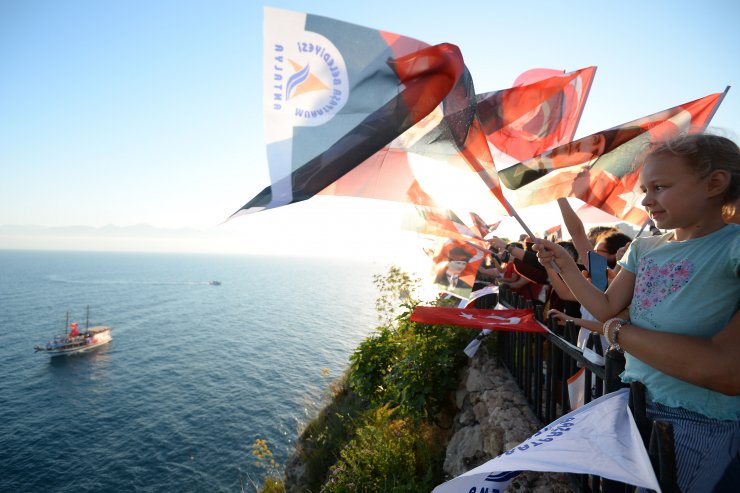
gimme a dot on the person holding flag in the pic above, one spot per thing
(682, 338)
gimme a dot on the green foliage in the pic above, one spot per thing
(323, 438)
(395, 291)
(272, 485)
(371, 363)
(387, 454)
(426, 370)
(381, 432)
(412, 367)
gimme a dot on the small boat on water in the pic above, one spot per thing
(75, 340)
(214, 283)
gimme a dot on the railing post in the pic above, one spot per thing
(539, 313)
(663, 455)
(639, 411)
(614, 365)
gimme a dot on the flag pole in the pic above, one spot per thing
(644, 225)
(497, 192)
(524, 226)
(716, 107)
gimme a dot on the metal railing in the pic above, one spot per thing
(541, 364)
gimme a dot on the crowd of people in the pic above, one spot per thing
(670, 299)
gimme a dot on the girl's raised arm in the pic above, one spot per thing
(577, 232)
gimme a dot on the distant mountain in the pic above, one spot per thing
(109, 230)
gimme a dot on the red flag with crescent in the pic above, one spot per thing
(474, 318)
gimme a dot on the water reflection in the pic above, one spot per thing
(88, 362)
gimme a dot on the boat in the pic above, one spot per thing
(214, 283)
(75, 340)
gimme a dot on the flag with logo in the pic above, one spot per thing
(335, 93)
(538, 114)
(602, 169)
(476, 318)
(600, 438)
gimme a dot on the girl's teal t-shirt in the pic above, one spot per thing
(687, 287)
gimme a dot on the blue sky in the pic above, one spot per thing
(149, 112)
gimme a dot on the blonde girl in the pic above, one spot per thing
(682, 339)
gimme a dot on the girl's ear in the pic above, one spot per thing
(717, 182)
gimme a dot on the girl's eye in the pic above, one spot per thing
(658, 188)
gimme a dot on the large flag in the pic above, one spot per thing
(427, 164)
(602, 169)
(443, 161)
(335, 93)
(474, 318)
(538, 115)
(600, 438)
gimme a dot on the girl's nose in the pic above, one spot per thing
(647, 199)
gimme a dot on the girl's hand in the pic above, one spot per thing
(548, 252)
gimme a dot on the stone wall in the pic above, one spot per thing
(494, 417)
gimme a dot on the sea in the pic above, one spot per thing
(195, 372)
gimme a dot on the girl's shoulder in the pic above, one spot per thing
(646, 243)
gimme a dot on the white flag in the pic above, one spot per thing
(477, 294)
(600, 438)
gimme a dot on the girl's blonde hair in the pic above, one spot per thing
(707, 153)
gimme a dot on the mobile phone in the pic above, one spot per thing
(597, 270)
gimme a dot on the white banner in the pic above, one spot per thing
(600, 438)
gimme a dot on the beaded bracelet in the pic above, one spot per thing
(611, 332)
(615, 336)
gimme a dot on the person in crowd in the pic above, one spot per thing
(489, 271)
(604, 240)
(682, 339)
(609, 244)
(595, 232)
(561, 298)
(531, 278)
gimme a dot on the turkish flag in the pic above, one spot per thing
(511, 320)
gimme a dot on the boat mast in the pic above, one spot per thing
(66, 324)
(87, 318)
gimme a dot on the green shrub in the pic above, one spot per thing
(321, 441)
(395, 292)
(412, 367)
(426, 371)
(377, 432)
(387, 454)
(371, 363)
